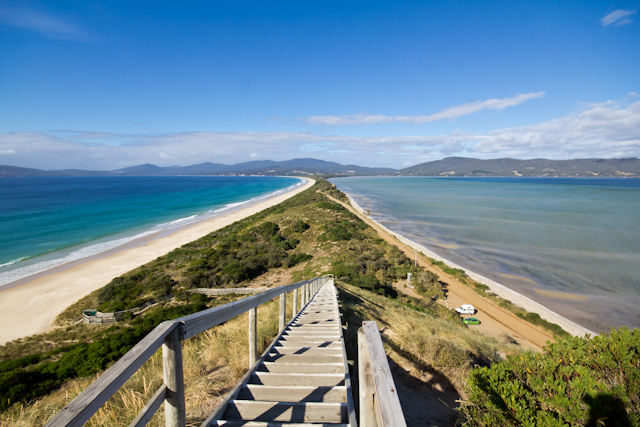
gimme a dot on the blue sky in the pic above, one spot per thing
(102, 85)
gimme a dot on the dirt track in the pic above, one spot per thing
(495, 320)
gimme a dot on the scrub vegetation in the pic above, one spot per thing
(301, 238)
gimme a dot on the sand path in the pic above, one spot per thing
(495, 320)
(31, 308)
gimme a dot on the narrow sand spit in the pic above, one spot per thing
(496, 321)
(32, 307)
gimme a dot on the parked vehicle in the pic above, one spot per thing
(471, 321)
(466, 309)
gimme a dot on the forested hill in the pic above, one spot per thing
(462, 166)
(295, 167)
(450, 166)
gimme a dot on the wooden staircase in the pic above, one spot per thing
(301, 380)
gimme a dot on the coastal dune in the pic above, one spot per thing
(32, 307)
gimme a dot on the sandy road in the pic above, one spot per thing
(495, 320)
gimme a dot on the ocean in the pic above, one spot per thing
(49, 221)
(571, 244)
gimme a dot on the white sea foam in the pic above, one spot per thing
(98, 248)
(183, 219)
(11, 262)
(39, 267)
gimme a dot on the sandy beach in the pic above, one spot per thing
(32, 306)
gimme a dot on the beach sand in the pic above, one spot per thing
(32, 307)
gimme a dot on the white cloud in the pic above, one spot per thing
(618, 17)
(41, 22)
(607, 129)
(165, 156)
(449, 113)
(600, 130)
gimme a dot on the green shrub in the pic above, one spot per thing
(331, 206)
(577, 381)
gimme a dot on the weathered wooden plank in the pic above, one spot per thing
(308, 379)
(150, 408)
(388, 409)
(288, 412)
(304, 343)
(206, 319)
(253, 336)
(243, 423)
(291, 393)
(89, 401)
(282, 318)
(174, 406)
(302, 368)
(308, 351)
(365, 384)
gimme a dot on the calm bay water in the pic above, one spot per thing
(45, 222)
(577, 236)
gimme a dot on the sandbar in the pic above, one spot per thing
(499, 289)
(32, 307)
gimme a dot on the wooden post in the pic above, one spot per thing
(283, 311)
(295, 303)
(174, 410)
(253, 336)
(365, 384)
(387, 408)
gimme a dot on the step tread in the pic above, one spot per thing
(286, 411)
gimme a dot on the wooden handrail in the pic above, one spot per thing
(379, 402)
(169, 335)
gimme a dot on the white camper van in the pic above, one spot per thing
(466, 309)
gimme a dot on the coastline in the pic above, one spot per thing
(46, 294)
(501, 290)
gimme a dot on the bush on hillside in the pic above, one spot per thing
(577, 381)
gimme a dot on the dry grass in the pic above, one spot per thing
(423, 341)
(214, 361)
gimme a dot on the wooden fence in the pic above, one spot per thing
(95, 317)
(168, 336)
(211, 292)
(379, 402)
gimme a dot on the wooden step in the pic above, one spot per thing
(304, 368)
(243, 423)
(308, 351)
(294, 379)
(307, 344)
(299, 412)
(290, 393)
(301, 358)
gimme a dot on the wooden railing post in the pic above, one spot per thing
(283, 311)
(365, 384)
(253, 336)
(379, 402)
(295, 303)
(174, 410)
(303, 297)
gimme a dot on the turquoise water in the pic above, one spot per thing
(45, 222)
(578, 236)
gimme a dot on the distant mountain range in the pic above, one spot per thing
(259, 167)
(462, 166)
(450, 166)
